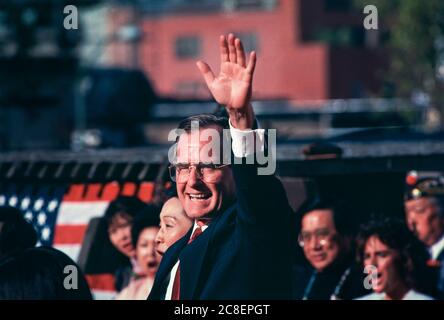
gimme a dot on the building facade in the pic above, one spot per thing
(307, 49)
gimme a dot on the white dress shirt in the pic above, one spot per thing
(436, 249)
(410, 295)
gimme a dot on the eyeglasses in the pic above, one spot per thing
(208, 172)
(322, 236)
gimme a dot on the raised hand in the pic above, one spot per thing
(233, 86)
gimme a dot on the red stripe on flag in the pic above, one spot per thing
(75, 192)
(103, 281)
(69, 234)
(92, 193)
(146, 191)
(129, 189)
(110, 191)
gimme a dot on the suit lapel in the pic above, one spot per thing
(441, 257)
(193, 256)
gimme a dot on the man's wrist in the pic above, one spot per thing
(241, 119)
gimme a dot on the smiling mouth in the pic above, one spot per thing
(318, 257)
(152, 264)
(199, 196)
(127, 246)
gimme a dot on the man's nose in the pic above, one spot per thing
(412, 225)
(193, 178)
(315, 244)
(159, 237)
(373, 261)
(122, 234)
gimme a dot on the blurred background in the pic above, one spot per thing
(87, 109)
(122, 77)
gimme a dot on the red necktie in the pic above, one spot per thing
(175, 295)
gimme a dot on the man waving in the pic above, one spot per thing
(239, 246)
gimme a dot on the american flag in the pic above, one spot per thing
(60, 215)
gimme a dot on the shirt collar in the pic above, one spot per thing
(199, 225)
(436, 249)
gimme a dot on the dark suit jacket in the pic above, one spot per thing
(326, 282)
(245, 251)
(440, 284)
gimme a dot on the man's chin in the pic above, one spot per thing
(196, 211)
(196, 214)
(320, 266)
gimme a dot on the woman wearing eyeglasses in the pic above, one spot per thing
(395, 261)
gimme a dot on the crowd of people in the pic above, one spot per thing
(230, 233)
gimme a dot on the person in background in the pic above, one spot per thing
(42, 273)
(143, 236)
(326, 237)
(16, 234)
(424, 209)
(395, 261)
(119, 218)
(174, 224)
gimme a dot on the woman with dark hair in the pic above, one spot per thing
(394, 259)
(42, 274)
(143, 236)
(119, 218)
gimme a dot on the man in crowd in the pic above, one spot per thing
(424, 208)
(326, 238)
(238, 247)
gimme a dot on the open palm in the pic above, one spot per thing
(232, 87)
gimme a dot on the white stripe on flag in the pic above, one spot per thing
(72, 250)
(80, 212)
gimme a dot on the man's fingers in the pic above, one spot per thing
(206, 72)
(240, 53)
(251, 63)
(223, 49)
(231, 48)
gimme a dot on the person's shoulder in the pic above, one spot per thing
(414, 295)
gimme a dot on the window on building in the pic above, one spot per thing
(187, 47)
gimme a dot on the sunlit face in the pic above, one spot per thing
(386, 262)
(119, 232)
(321, 241)
(424, 220)
(147, 257)
(174, 224)
(201, 199)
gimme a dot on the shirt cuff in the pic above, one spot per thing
(247, 142)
